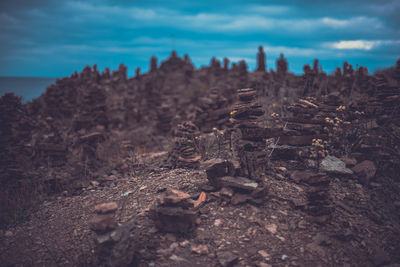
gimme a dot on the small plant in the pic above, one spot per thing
(276, 117)
(319, 149)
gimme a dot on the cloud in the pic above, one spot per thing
(334, 22)
(357, 44)
(361, 44)
(256, 18)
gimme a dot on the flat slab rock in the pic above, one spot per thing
(173, 197)
(238, 182)
(331, 164)
(227, 259)
(105, 208)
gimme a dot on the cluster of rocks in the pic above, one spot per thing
(50, 146)
(212, 111)
(184, 153)
(164, 116)
(292, 137)
(224, 175)
(115, 242)
(16, 166)
(88, 147)
(15, 138)
(93, 110)
(319, 205)
(378, 115)
(249, 143)
(295, 145)
(174, 211)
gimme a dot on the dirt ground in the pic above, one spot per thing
(274, 233)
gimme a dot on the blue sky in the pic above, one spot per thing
(54, 38)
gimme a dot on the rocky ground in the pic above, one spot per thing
(275, 232)
(213, 167)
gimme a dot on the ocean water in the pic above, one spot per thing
(27, 87)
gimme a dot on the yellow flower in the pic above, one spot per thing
(233, 112)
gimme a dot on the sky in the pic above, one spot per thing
(52, 38)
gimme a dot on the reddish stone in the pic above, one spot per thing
(103, 223)
(106, 207)
(365, 171)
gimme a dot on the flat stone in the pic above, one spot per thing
(227, 259)
(216, 168)
(225, 191)
(260, 192)
(334, 165)
(238, 182)
(200, 249)
(263, 254)
(106, 207)
(176, 258)
(173, 197)
(174, 219)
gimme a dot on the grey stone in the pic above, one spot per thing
(331, 164)
(227, 259)
(238, 182)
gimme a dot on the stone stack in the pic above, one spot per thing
(281, 66)
(309, 77)
(225, 175)
(251, 146)
(174, 211)
(164, 116)
(319, 205)
(60, 98)
(15, 138)
(119, 75)
(173, 63)
(89, 144)
(185, 153)
(115, 242)
(94, 108)
(104, 223)
(212, 111)
(292, 139)
(382, 119)
(51, 149)
(261, 59)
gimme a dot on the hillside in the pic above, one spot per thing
(215, 166)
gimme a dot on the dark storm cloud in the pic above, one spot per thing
(53, 38)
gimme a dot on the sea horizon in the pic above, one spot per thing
(27, 87)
